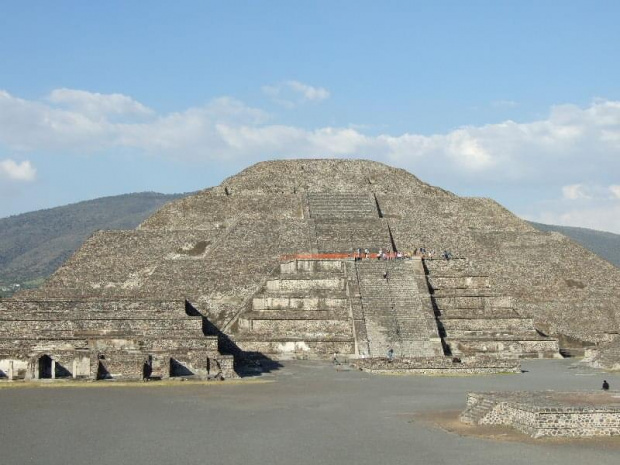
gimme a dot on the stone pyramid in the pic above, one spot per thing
(265, 262)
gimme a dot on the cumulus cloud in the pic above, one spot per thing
(594, 206)
(583, 191)
(24, 171)
(550, 150)
(228, 128)
(574, 192)
(571, 144)
(292, 93)
(97, 105)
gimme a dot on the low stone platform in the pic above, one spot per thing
(438, 366)
(547, 413)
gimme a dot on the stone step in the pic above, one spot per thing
(66, 308)
(446, 283)
(268, 302)
(96, 315)
(312, 266)
(294, 328)
(305, 294)
(290, 284)
(473, 313)
(286, 349)
(508, 347)
(101, 325)
(490, 324)
(474, 413)
(117, 334)
(523, 335)
(466, 292)
(296, 315)
(67, 342)
(473, 301)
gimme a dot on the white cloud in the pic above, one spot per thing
(310, 93)
(292, 93)
(574, 192)
(571, 144)
(549, 151)
(14, 171)
(97, 105)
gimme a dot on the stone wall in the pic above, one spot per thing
(438, 366)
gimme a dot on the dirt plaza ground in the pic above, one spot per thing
(299, 413)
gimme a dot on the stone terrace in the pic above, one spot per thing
(302, 311)
(475, 320)
(105, 339)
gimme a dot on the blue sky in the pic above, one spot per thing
(514, 100)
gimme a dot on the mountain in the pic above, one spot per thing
(605, 244)
(33, 245)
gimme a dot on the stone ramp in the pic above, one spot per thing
(397, 314)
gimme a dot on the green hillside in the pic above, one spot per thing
(605, 244)
(33, 245)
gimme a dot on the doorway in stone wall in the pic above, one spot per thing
(45, 367)
(147, 368)
(102, 371)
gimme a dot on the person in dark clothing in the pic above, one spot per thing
(605, 385)
(385, 275)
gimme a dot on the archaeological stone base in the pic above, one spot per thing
(547, 413)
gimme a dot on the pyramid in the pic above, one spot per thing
(268, 264)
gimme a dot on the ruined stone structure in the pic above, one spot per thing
(546, 414)
(262, 265)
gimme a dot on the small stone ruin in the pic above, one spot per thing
(547, 413)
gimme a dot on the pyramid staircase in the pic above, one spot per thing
(396, 309)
